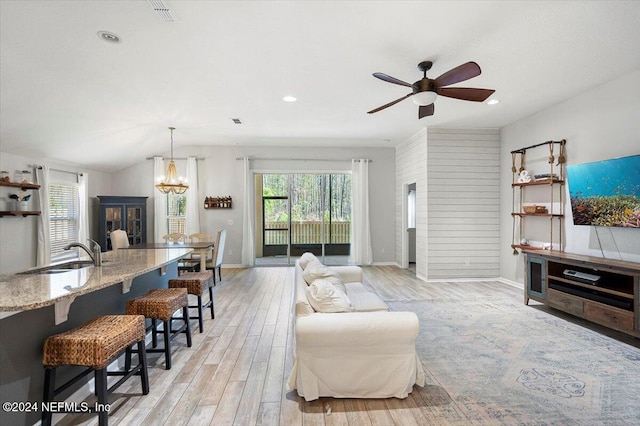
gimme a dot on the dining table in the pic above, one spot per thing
(201, 247)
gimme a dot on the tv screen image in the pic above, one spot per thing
(606, 193)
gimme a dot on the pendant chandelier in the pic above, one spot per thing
(171, 183)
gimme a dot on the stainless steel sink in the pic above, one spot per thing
(59, 268)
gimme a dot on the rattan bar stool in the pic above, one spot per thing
(94, 345)
(160, 304)
(196, 283)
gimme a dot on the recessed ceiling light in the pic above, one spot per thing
(289, 99)
(109, 36)
(493, 101)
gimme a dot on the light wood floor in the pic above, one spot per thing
(236, 370)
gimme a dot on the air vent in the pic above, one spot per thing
(162, 10)
(236, 120)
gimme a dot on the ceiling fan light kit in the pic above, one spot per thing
(171, 183)
(425, 91)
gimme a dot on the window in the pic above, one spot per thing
(176, 213)
(63, 218)
(411, 209)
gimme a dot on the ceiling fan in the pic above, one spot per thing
(425, 91)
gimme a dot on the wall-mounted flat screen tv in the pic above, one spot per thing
(606, 193)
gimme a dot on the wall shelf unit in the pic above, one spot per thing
(550, 194)
(23, 186)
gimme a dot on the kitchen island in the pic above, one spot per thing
(34, 306)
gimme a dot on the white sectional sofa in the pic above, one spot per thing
(364, 352)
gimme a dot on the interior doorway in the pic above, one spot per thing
(302, 212)
(411, 226)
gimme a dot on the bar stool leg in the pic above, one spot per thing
(144, 373)
(127, 358)
(101, 387)
(167, 347)
(213, 316)
(49, 387)
(200, 325)
(185, 315)
(154, 334)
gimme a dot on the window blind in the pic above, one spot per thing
(176, 213)
(63, 216)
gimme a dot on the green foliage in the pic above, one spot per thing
(306, 197)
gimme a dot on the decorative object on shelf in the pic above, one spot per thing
(552, 209)
(224, 202)
(171, 183)
(524, 177)
(26, 176)
(4, 176)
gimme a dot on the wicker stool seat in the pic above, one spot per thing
(196, 283)
(95, 345)
(160, 304)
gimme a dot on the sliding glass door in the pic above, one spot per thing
(303, 212)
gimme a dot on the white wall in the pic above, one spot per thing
(18, 235)
(411, 167)
(221, 174)
(599, 124)
(463, 203)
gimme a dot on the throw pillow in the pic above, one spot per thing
(316, 271)
(325, 297)
(306, 258)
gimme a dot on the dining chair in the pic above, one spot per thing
(192, 262)
(218, 253)
(119, 239)
(175, 237)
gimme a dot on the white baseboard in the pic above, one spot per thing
(511, 283)
(384, 264)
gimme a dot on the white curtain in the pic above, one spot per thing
(361, 252)
(193, 203)
(83, 208)
(248, 248)
(43, 255)
(159, 202)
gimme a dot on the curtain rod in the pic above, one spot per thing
(305, 159)
(37, 166)
(177, 158)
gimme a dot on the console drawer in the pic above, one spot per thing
(566, 302)
(609, 316)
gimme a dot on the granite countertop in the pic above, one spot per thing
(21, 292)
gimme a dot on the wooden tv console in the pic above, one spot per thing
(609, 293)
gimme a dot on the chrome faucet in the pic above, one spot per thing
(96, 255)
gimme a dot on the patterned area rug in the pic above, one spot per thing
(502, 362)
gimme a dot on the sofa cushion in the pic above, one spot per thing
(317, 271)
(305, 259)
(325, 297)
(367, 302)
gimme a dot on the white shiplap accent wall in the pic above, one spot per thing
(463, 192)
(411, 167)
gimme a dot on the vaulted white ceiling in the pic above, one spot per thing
(68, 95)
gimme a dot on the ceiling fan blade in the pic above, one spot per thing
(425, 111)
(466, 93)
(460, 73)
(390, 79)
(389, 104)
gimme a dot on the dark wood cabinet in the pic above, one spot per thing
(126, 213)
(604, 291)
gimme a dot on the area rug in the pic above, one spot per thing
(505, 363)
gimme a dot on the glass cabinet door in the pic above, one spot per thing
(134, 225)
